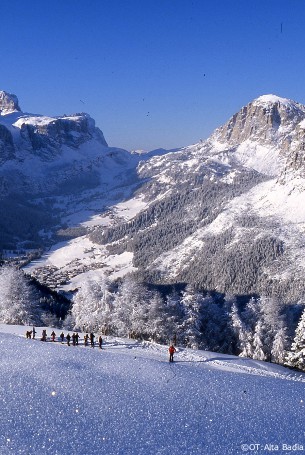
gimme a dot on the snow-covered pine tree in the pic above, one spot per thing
(279, 346)
(156, 318)
(86, 310)
(18, 300)
(130, 306)
(242, 333)
(296, 355)
(173, 318)
(191, 302)
(258, 344)
(270, 313)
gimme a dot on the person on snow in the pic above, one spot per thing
(68, 339)
(76, 338)
(171, 351)
(34, 332)
(92, 336)
(100, 341)
(62, 336)
(53, 335)
(86, 339)
(73, 339)
(44, 335)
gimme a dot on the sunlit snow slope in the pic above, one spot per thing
(128, 399)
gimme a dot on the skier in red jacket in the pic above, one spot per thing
(171, 351)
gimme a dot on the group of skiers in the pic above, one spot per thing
(75, 339)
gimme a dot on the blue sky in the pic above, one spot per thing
(152, 73)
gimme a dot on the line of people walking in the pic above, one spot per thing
(75, 340)
(75, 337)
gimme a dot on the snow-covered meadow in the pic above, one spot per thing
(128, 399)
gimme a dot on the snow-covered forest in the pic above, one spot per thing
(261, 328)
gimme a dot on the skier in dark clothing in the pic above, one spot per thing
(92, 336)
(62, 336)
(34, 332)
(68, 339)
(76, 338)
(73, 339)
(100, 341)
(44, 335)
(53, 335)
(171, 351)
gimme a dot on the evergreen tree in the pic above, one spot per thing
(191, 302)
(156, 318)
(258, 344)
(174, 314)
(86, 309)
(296, 356)
(131, 305)
(18, 300)
(279, 346)
(242, 333)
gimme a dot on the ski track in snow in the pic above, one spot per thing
(128, 399)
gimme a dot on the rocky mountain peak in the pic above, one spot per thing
(8, 103)
(268, 120)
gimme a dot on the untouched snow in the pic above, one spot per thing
(128, 399)
(266, 160)
(271, 99)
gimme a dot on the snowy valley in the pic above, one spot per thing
(204, 243)
(187, 215)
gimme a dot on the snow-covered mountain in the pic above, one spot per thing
(226, 214)
(48, 164)
(128, 399)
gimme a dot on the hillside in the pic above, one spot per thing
(225, 214)
(127, 399)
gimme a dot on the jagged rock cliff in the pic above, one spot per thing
(8, 103)
(269, 120)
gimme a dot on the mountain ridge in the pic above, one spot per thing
(222, 214)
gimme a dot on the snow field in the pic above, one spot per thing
(128, 399)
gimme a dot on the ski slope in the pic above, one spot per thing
(128, 399)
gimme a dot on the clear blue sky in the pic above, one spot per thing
(152, 73)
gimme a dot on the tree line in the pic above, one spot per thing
(262, 328)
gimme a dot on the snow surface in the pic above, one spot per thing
(82, 254)
(128, 399)
(272, 99)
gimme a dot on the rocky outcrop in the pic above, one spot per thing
(52, 133)
(295, 164)
(8, 103)
(40, 135)
(268, 120)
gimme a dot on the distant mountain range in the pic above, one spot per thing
(225, 214)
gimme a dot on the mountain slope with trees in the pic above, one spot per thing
(208, 232)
